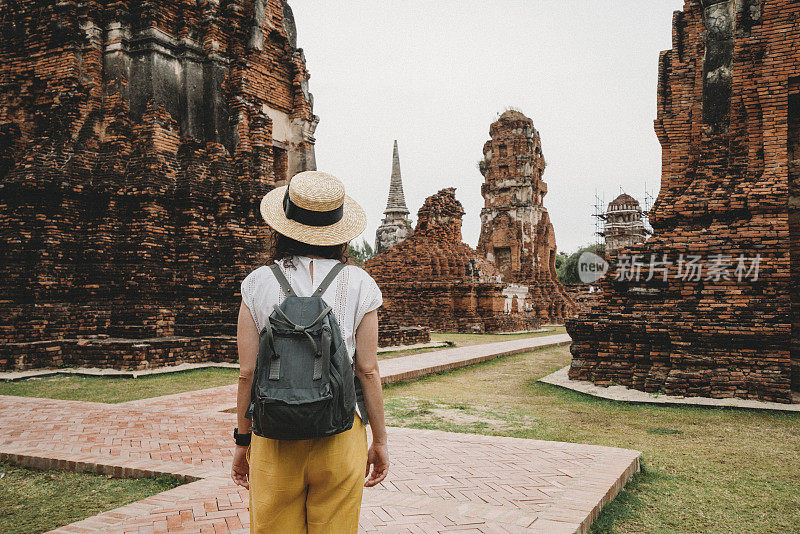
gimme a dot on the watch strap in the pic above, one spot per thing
(242, 440)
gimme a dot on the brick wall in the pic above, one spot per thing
(395, 335)
(794, 223)
(724, 109)
(136, 145)
(580, 295)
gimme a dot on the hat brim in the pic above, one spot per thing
(352, 225)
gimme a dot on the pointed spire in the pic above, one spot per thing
(397, 200)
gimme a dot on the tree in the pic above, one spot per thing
(360, 253)
(568, 271)
(561, 257)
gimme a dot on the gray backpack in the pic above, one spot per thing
(304, 383)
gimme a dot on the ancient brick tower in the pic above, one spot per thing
(624, 225)
(136, 140)
(516, 232)
(395, 225)
(728, 117)
(433, 279)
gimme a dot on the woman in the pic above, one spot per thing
(313, 485)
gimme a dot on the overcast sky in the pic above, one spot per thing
(435, 75)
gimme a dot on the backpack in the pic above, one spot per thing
(304, 382)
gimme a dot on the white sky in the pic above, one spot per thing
(435, 75)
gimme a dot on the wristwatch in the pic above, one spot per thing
(241, 439)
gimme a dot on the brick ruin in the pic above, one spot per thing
(516, 232)
(729, 125)
(585, 296)
(623, 223)
(794, 226)
(394, 335)
(135, 143)
(434, 279)
(395, 225)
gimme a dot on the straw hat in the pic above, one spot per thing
(313, 209)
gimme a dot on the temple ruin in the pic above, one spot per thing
(135, 143)
(433, 279)
(623, 223)
(729, 125)
(395, 225)
(516, 232)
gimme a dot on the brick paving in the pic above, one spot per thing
(416, 365)
(439, 481)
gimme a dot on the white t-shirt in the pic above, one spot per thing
(352, 294)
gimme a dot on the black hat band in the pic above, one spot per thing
(310, 217)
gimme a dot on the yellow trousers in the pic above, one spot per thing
(309, 486)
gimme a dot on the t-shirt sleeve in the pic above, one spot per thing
(370, 298)
(247, 289)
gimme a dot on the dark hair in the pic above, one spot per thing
(281, 247)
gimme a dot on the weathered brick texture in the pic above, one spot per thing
(434, 279)
(516, 232)
(728, 113)
(135, 143)
(394, 335)
(581, 296)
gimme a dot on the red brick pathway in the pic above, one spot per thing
(439, 482)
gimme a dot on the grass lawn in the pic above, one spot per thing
(462, 340)
(706, 470)
(113, 390)
(38, 501)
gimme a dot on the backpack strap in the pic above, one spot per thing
(329, 279)
(274, 360)
(284, 283)
(276, 270)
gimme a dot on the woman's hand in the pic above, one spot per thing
(369, 374)
(247, 344)
(240, 470)
(378, 458)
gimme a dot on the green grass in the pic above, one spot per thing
(706, 469)
(38, 501)
(113, 390)
(475, 339)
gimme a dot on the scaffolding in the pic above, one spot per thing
(649, 200)
(599, 217)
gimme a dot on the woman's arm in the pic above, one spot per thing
(247, 343)
(369, 375)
